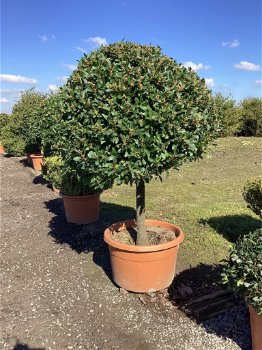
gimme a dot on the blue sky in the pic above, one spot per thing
(42, 40)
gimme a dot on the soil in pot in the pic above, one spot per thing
(156, 235)
(148, 268)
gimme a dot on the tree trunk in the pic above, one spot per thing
(140, 214)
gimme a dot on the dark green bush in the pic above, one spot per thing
(130, 113)
(243, 271)
(252, 194)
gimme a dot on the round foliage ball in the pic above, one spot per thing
(133, 113)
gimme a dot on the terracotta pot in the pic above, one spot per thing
(82, 209)
(2, 151)
(143, 268)
(56, 190)
(256, 328)
(37, 161)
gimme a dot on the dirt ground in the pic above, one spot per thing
(56, 288)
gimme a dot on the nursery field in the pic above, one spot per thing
(56, 282)
(204, 198)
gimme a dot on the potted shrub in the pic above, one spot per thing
(243, 273)
(80, 190)
(52, 171)
(132, 113)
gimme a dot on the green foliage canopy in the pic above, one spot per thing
(132, 113)
(22, 133)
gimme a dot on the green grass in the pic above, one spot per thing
(204, 198)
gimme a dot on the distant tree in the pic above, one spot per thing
(22, 132)
(251, 116)
(230, 115)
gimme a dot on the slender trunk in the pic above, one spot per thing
(140, 214)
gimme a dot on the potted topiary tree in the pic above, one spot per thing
(243, 273)
(23, 132)
(136, 113)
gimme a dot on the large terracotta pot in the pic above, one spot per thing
(37, 161)
(143, 268)
(256, 328)
(2, 151)
(82, 209)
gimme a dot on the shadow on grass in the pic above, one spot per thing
(200, 294)
(20, 346)
(233, 226)
(87, 238)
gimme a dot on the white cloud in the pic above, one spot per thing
(52, 87)
(62, 79)
(81, 49)
(231, 43)
(210, 82)
(11, 78)
(95, 41)
(70, 66)
(53, 36)
(258, 82)
(195, 66)
(43, 38)
(247, 66)
(3, 100)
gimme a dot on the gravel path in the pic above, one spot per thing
(56, 291)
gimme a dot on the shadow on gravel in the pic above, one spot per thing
(87, 238)
(39, 180)
(20, 346)
(233, 226)
(200, 294)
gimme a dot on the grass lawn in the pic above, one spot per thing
(204, 198)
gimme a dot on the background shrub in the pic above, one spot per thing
(251, 117)
(231, 123)
(253, 195)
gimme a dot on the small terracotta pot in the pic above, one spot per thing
(37, 161)
(82, 209)
(143, 268)
(56, 190)
(256, 328)
(2, 151)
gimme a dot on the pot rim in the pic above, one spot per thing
(35, 155)
(146, 248)
(97, 194)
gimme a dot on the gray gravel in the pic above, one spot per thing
(56, 291)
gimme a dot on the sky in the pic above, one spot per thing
(43, 40)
